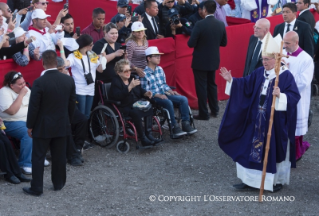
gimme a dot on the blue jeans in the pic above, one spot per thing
(168, 104)
(19, 130)
(85, 104)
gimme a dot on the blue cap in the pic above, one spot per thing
(119, 17)
(172, 12)
(122, 3)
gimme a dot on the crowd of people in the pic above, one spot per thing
(54, 113)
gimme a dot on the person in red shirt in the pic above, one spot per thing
(95, 28)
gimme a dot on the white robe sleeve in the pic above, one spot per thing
(228, 87)
(57, 36)
(281, 103)
(303, 78)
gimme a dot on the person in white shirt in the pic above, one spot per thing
(301, 66)
(84, 63)
(46, 38)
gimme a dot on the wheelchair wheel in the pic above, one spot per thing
(104, 127)
(123, 147)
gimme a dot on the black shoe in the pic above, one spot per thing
(277, 188)
(151, 138)
(198, 117)
(146, 142)
(23, 178)
(87, 145)
(13, 180)
(29, 191)
(214, 115)
(186, 127)
(177, 131)
(75, 161)
(241, 186)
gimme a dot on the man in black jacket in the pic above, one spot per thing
(206, 59)
(51, 108)
(305, 15)
(291, 24)
(151, 21)
(253, 57)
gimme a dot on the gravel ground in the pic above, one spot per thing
(193, 168)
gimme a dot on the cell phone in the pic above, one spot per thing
(12, 41)
(123, 47)
(11, 35)
(129, 9)
(66, 6)
(78, 31)
(134, 18)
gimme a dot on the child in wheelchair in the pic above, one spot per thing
(163, 95)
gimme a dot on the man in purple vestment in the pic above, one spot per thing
(220, 12)
(244, 127)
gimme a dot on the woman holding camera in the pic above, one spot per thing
(136, 44)
(84, 63)
(128, 90)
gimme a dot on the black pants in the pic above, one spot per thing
(8, 160)
(206, 88)
(137, 116)
(79, 127)
(58, 159)
(317, 71)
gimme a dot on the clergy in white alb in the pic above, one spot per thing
(243, 130)
(301, 66)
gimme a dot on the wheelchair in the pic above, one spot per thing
(107, 124)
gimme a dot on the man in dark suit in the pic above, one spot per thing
(253, 57)
(305, 15)
(51, 108)
(206, 43)
(151, 21)
(291, 24)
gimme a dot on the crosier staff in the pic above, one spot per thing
(277, 70)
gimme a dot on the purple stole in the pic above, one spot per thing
(255, 15)
(296, 53)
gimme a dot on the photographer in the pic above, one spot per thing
(123, 24)
(182, 7)
(177, 25)
(121, 9)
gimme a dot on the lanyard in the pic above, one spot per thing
(88, 63)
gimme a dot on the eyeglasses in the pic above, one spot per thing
(43, 3)
(15, 77)
(127, 71)
(156, 56)
(170, 2)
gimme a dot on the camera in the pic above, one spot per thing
(175, 20)
(89, 79)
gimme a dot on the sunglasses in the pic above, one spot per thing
(170, 2)
(15, 77)
(127, 71)
(43, 3)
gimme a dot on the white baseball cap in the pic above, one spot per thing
(40, 14)
(153, 50)
(18, 32)
(137, 26)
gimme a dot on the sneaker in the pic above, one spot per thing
(177, 131)
(99, 138)
(188, 128)
(46, 163)
(26, 170)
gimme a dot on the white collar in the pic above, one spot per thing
(292, 23)
(148, 16)
(43, 72)
(209, 15)
(303, 11)
(272, 73)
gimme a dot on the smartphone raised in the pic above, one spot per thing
(66, 6)
(134, 18)
(129, 9)
(78, 31)
(123, 47)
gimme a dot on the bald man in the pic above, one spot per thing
(301, 66)
(253, 57)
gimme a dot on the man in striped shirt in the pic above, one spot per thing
(163, 95)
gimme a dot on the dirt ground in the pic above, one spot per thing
(188, 176)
